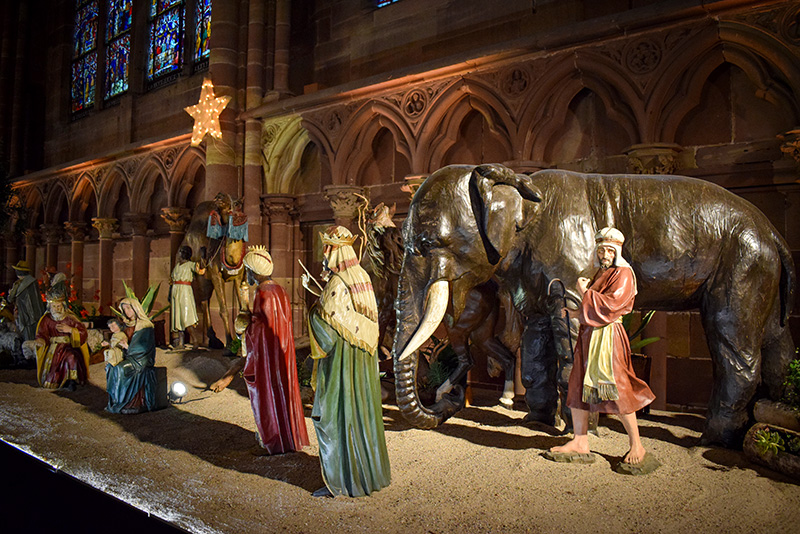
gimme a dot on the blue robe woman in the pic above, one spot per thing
(131, 384)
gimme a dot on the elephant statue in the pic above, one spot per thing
(692, 245)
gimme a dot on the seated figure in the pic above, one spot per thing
(131, 384)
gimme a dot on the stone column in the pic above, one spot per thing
(253, 183)
(106, 227)
(52, 237)
(283, 10)
(177, 219)
(31, 238)
(77, 231)
(223, 68)
(11, 258)
(275, 209)
(141, 251)
(655, 158)
(345, 204)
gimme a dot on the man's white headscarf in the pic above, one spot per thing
(611, 237)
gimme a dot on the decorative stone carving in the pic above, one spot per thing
(52, 233)
(413, 181)
(656, 158)
(138, 223)
(790, 25)
(790, 144)
(105, 226)
(169, 156)
(31, 237)
(414, 103)
(515, 81)
(76, 230)
(176, 218)
(642, 56)
(343, 200)
(277, 208)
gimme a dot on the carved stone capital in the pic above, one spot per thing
(344, 200)
(52, 233)
(105, 226)
(176, 218)
(413, 181)
(790, 144)
(277, 208)
(76, 230)
(139, 222)
(655, 158)
(31, 237)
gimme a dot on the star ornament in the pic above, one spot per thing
(206, 113)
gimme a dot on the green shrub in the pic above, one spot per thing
(791, 385)
(768, 442)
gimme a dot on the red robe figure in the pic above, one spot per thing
(62, 358)
(602, 377)
(270, 369)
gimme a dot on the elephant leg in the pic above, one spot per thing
(777, 352)
(733, 320)
(459, 340)
(539, 370)
(499, 358)
(506, 360)
(474, 314)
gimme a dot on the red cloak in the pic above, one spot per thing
(609, 297)
(271, 372)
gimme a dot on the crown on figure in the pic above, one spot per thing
(337, 236)
(258, 260)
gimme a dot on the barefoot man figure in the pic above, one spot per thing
(602, 378)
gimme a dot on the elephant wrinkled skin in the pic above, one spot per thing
(692, 245)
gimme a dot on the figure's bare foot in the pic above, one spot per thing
(221, 384)
(635, 455)
(577, 445)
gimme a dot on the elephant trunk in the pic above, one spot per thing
(412, 332)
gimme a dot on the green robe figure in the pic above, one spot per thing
(347, 412)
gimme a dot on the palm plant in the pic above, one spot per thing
(147, 301)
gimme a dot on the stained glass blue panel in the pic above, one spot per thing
(203, 29)
(166, 42)
(119, 18)
(84, 77)
(84, 37)
(382, 3)
(117, 64)
(159, 6)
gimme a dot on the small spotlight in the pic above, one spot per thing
(177, 391)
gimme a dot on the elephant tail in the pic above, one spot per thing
(788, 279)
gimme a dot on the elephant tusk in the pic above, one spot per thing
(435, 307)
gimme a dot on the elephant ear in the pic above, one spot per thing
(496, 195)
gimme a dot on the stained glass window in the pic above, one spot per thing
(383, 3)
(84, 55)
(202, 29)
(118, 46)
(166, 37)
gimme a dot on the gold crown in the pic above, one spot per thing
(258, 260)
(337, 236)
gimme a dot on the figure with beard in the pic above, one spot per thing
(602, 377)
(347, 412)
(62, 358)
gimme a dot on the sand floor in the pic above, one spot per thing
(482, 471)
